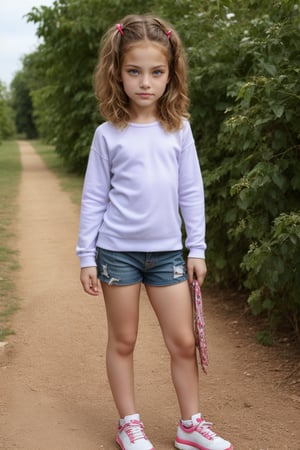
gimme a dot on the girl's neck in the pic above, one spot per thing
(143, 116)
(143, 120)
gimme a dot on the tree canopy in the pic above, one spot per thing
(7, 124)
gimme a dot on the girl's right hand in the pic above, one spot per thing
(89, 280)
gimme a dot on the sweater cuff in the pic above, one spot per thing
(87, 261)
(196, 253)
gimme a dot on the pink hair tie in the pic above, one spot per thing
(119, 27)
(168, 33)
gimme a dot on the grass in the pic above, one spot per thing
(10, 173)
(69, 182)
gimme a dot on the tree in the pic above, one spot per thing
(7, 128)
(22, 104)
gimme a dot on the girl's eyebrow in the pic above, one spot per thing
(139, 67)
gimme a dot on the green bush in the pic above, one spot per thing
(273, 268)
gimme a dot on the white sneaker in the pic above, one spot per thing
(199, 436)
(131, 435)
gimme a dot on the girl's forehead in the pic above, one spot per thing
(146, 49)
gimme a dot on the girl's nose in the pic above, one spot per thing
(145, 83)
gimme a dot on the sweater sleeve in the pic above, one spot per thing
(94, 203)
(191, 196)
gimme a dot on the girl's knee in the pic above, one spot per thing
(123, 345)
(183, 347)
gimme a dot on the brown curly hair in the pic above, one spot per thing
(113, 101)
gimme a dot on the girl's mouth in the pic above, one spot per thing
(144, 95)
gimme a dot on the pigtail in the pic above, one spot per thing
(175, 101)
(109, 91)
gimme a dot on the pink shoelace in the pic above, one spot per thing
(204, 428)
(134, 430)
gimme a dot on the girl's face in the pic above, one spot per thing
(144, 74)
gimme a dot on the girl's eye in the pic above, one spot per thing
(157, 73)
(133, 72)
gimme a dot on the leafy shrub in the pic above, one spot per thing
(273, 268)
(245, 93)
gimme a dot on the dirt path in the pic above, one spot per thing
(53, 389)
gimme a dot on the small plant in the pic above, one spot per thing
(264, 338)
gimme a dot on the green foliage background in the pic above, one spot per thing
(7, 122)
(244, 64)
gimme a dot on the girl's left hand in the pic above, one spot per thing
(196, 268)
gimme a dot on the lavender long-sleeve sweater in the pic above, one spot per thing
(137, 182)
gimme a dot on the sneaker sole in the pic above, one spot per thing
(123, 448)
(180, 446)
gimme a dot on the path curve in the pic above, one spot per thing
(53, 389)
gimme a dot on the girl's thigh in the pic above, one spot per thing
(122, 310)
(173, 308)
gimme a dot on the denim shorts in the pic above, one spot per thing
(155, 269)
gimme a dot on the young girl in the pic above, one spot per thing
(142, 176)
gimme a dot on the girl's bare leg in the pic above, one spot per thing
(122, 310)
(173, 307)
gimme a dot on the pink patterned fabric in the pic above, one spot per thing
(199, 323)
